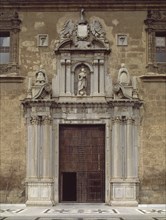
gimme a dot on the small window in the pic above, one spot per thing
(4, 47)
(161, 47)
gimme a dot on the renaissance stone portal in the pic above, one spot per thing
(82, 129)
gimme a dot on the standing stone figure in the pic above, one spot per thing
(82, 82)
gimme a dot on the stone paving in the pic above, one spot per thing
(82, 212)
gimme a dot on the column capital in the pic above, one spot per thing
(35, 120)
(130, 120)
(47, 120)
(116, 119)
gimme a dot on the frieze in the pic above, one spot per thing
(157, 15)
(78, 108)
(9, 70)
(8, 14)
(10, 20)
(156, 20)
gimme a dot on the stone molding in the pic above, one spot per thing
(153, 78)
(74, 5)
(11, 79)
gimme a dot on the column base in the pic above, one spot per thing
(40, 193)
(124, 193)
(124, 203)
(39, 203)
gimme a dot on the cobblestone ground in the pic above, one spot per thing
(82, 212)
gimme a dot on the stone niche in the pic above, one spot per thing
(81, 93)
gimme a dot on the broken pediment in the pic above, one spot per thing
(82, 35)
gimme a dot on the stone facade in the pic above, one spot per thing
(54, 47)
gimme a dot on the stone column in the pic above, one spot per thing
(101, 81)
(129, 148)
(47, 147)
(33, 146)
(123, 182)
(116, 149)
(95, 78)
(62, 80)
(68, 78)
(39, 161)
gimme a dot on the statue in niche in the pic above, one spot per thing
(82, 82)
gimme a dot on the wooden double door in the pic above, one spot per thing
(82, 163)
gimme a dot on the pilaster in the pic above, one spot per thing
(124, 179)
(39, 179)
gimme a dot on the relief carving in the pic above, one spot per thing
(40, 78)
(124, 88)
(97, 29)
(123, 75)
(67, 30)
(41, 88)
(157, 15)
(81, 34)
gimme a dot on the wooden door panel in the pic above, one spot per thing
(82, 151)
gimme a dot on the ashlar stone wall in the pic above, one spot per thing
(152, 154)
(12, 144)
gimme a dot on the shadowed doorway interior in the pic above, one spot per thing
(82, 163)
(69, 186)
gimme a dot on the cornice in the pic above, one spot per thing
(89, 5)
(55, 104)
(154, 78)
(11, 79)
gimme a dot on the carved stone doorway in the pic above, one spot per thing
(82, 163)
